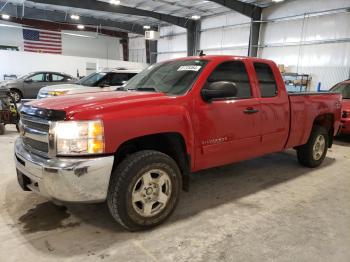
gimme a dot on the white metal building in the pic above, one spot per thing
(113, 149)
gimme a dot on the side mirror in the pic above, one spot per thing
(28, 80)
(219, 90)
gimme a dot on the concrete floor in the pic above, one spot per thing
(267, 209)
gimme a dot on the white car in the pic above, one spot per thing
(96, 82)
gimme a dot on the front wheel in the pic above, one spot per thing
(144, 190)
(314, 151)
(16, 95)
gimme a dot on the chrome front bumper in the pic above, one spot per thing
(64, 179)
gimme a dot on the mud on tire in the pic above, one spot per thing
(144, 190)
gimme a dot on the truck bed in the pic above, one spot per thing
(304, 108)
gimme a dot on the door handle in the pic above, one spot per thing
(251, 110)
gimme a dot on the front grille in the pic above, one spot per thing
(34, 132)
(36, 145)
(35, 125)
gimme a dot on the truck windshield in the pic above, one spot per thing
(91, 80)
(344, 89)
(173, 77)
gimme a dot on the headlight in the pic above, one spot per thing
(56, 93)
(79, 137)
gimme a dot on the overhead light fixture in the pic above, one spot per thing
(81, 27)
(75, 17)
(5, 16)
(147, 27)
(195, 17)
(276, 1)
(114, 2)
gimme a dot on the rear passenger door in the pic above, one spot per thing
(229, 129)
(274, 103)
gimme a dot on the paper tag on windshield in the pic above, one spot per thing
(189, 68)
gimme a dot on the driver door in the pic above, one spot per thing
(228, 130)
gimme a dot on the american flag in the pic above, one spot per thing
(42, 41)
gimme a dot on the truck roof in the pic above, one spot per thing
(221, 57)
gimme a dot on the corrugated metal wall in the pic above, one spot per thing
(225, 34)
(172, 43)
(311, 37)
(316, 42)
(137, 49)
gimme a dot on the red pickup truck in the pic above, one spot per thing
(135, 149)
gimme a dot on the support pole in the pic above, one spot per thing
(193, 38)
(254, 38)
(151, 51)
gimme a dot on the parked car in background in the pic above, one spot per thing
(135, 149)
(344, 89)
(29, 85)
(107, 80)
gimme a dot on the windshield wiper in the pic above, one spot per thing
(146, 89)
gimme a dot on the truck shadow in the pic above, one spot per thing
(47, 227)
(342, 140)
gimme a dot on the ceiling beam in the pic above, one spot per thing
(61, 17)
(120, 9)
(55, 26)
(250, 10)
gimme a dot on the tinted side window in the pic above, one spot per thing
(235, 72)
(37, 78)
(117, 79)
(131, 75)
(57, 78)
(267, 82)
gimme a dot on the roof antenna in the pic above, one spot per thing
(201, 53)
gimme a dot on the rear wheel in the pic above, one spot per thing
(314, 151)
(17, 95)
(144, 190)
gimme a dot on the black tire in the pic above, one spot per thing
(306, 153)
(2, 129)
(17, 95)
(126, 177)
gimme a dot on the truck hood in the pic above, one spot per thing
(63, 87)
(92, 101)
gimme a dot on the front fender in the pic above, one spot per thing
(123, 126)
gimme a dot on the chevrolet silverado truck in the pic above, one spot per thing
(135, 149)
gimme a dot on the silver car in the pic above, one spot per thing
(107, 80)
(29, 85)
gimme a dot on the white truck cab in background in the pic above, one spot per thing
(105, 80)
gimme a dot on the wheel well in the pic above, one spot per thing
(16, 89)
(171, 144)
(326, 121)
